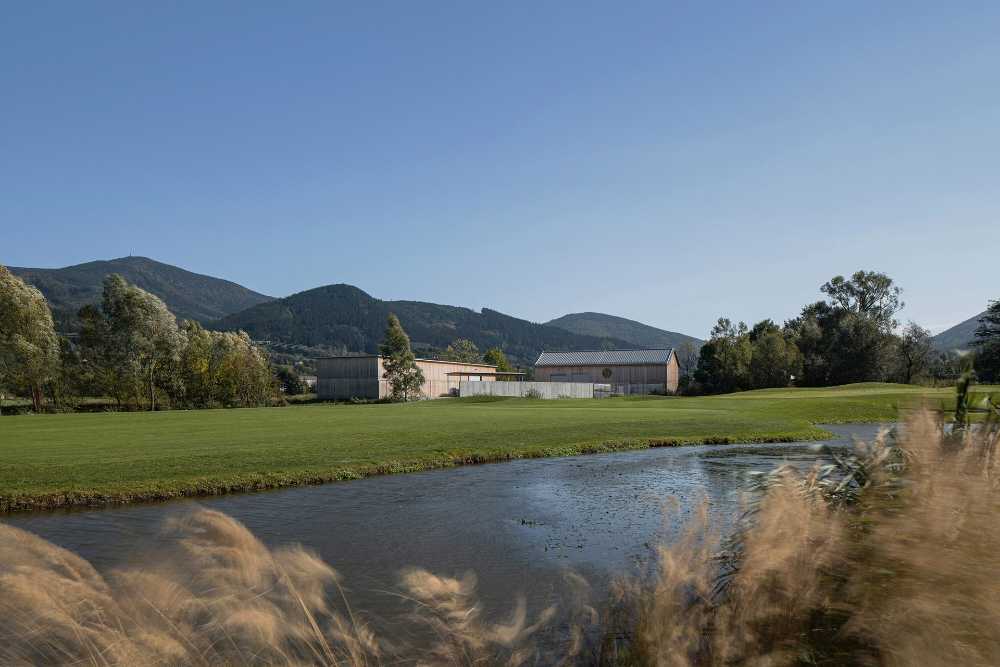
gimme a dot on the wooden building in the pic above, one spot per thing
(344, 378)
(627, 371)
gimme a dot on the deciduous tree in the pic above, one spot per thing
(870, 294)
(914, 352)
(773, 360)
(463, 350)
(724, 361)
(29, 347)
(839, 345)
(135, 338)
(223, 368)
(495, 357)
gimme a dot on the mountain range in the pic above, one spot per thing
(610, 326)
(343, 318)
(960, 336)
(188, 295)
(336, 318)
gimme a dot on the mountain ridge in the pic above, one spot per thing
(338, 318)
(188, 295)
(958, 337)
(343, 318)
(612, 326)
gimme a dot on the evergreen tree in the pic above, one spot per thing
(989, 323)
(401, 370)
(987, 361)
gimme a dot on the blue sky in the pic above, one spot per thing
(668, 162)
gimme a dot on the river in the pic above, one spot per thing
(517, 525)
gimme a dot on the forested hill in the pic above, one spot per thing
(343, 318)
(960, 336)
(188, 295)
(610, 326)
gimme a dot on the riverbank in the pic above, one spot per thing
(52, 461)
(518, 526)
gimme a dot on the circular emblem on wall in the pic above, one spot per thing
(606, 373)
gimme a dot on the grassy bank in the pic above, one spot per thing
(86, 459)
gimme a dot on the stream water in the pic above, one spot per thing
(517, 525)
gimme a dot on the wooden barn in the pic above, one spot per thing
(344, 378)
(627, 371)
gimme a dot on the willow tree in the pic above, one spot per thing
(135, 338)
(222, 368)
(29, 347)
(401, 370)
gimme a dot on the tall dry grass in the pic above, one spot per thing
(226, 599)
(887, 556)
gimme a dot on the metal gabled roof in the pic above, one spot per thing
(605, 358)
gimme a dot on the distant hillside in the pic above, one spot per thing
(188, 295)
(342, 318)
(960, 336)
(609, 326)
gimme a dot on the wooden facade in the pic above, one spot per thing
(624, 378)
(344, 378)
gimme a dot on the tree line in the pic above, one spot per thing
(130, 348)
(851, 336)
(465, 351)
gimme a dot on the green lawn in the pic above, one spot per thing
(50, 460)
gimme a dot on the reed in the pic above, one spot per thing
(885, 556)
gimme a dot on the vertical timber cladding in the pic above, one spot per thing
(344, 378)
(627, 371)
(438, 382)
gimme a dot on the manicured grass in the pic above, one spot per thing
(53, 460)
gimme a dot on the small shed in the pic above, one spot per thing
(627, 371)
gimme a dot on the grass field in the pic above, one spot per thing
(77, 459)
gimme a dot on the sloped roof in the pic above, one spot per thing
(605, 358)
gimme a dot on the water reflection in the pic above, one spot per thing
(518, 525)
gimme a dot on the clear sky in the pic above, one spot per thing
(668, 162)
